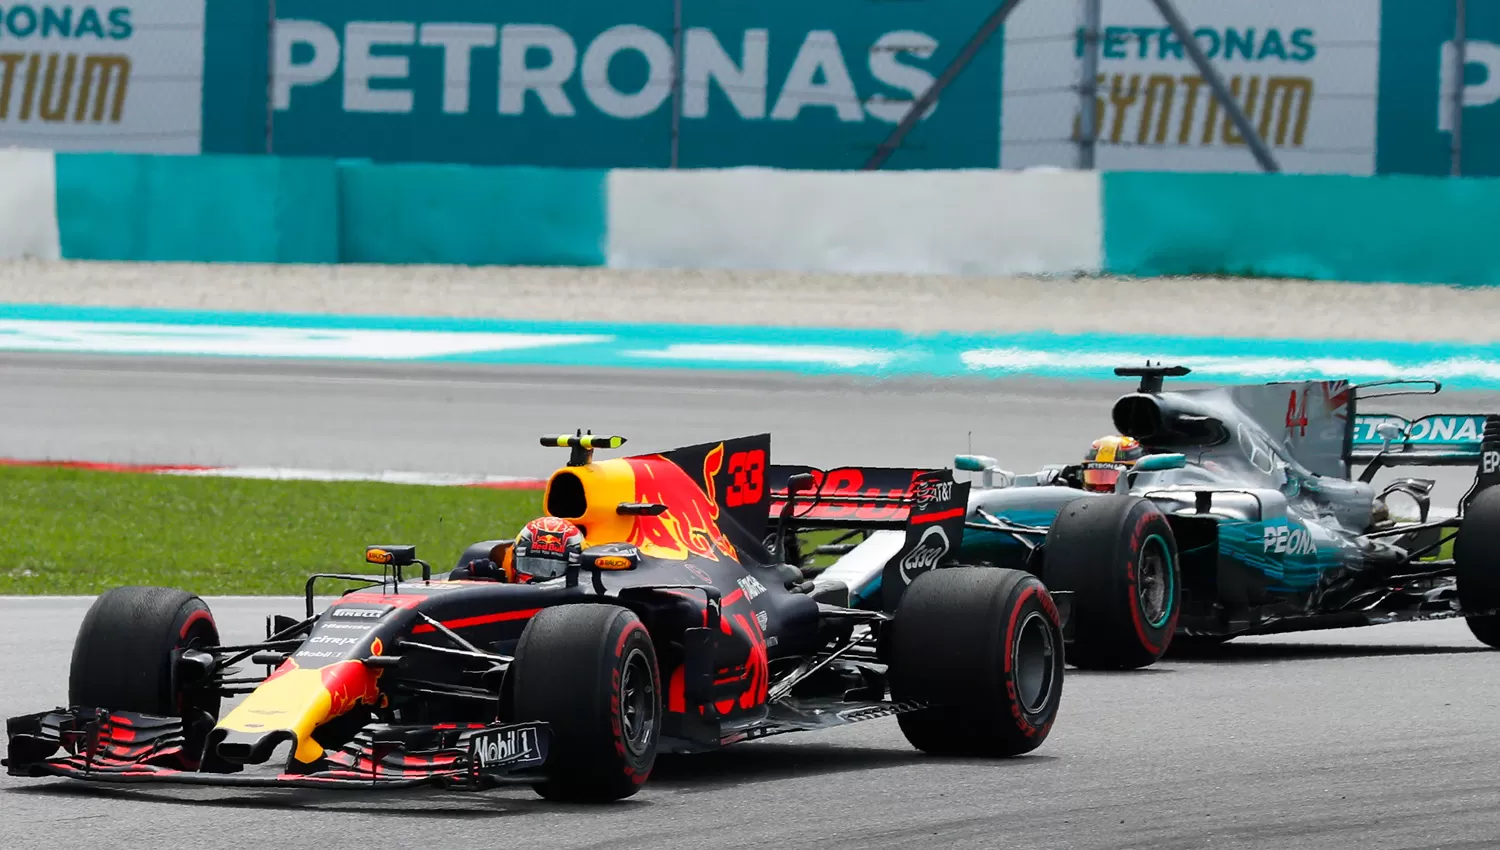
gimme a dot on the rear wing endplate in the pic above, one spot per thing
(926, 503)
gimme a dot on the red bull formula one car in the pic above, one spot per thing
(674, 628)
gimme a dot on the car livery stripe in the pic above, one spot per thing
(938, 517)
(482, 620)
(399, 600)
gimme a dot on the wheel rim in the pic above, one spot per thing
(1034, 660)
(637, 703)
(1154, 582)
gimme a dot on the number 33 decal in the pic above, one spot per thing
(749, 471)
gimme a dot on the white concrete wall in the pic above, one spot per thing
(28, 205)
(955, 222)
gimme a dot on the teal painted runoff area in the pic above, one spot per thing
(292, 210)
(1399, 229)
(872, 353)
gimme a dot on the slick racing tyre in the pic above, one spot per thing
(982, 648)
(590, 671)
(1476, 558)
(1119, 558)
(125, 657)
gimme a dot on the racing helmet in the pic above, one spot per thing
(1107, 459)
(545, 548)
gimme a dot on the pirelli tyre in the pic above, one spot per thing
(1118, 557)
(129, 650)
(1476, 560)
(590, 672)
(980, 650)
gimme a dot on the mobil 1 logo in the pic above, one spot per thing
(507, 748)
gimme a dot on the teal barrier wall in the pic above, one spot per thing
(472, 216)
(200, 208)
(1397, 229)
(259, 209)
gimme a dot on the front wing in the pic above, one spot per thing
(122, 747)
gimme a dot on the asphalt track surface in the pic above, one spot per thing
(1370, 738)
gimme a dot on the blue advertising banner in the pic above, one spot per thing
(589, 84)
(1416, 85)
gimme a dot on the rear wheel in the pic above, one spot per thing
(590, 672)
(1476, 557)
(983, 647)
(126, 656)
(1119, 558)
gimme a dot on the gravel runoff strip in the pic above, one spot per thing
(1186, 306)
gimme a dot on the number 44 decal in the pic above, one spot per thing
(1296, 417)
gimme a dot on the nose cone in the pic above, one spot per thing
(290, 705)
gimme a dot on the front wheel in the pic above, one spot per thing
(126, 656)
(981, 647)
(590, 672)
(1118, 556)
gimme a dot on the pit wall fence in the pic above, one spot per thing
(267, 209)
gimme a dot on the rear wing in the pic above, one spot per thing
(1439, 439)
(848, 497)
(927, 504)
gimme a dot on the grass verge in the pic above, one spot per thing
(66, 531)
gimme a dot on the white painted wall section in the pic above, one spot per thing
(917, 222)
(28, 205)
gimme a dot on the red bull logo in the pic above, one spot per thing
(549, 543)
(350, 683)
(690, 523)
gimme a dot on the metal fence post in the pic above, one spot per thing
(929, 97)
(270, 76)
(676, 81)
(1460, 64)
(1215, 82)
(1088, 90)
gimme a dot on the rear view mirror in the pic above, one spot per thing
(391, 556)
(395, 557)
(974, 463)
(802, 483)
(1158, 463)
(987, 465)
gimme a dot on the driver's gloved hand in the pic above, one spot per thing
(483, 569)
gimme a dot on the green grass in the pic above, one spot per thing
(68, 531)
